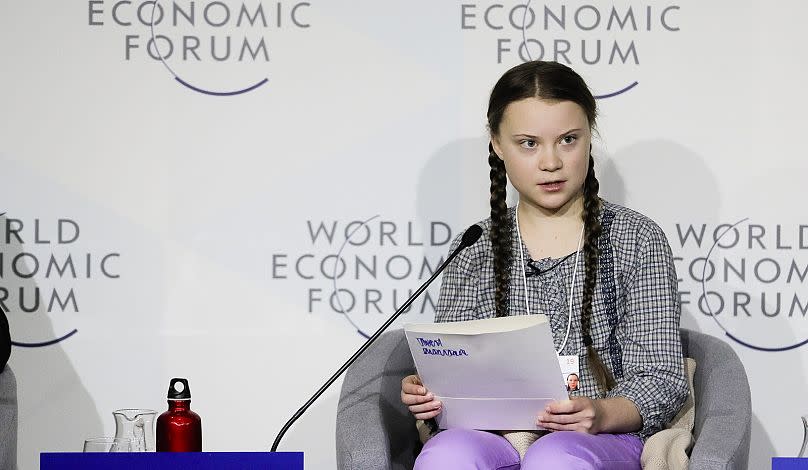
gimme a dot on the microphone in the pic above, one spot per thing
(470, 236)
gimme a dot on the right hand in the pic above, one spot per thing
(421, 402)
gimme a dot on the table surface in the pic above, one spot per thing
(789, 463)
(171, 460)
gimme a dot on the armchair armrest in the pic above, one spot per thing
(723, 404)
(8, 419)
(374, 429)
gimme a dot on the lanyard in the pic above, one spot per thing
(572, 284)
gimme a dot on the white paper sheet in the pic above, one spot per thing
(495, 374)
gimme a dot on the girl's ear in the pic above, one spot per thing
(497, 148)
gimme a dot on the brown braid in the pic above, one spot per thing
(500, 232)
(590, 217)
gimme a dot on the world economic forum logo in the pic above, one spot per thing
(213, 47)
(603, 35)
(43, 273)
(750, 278)
(365, 269)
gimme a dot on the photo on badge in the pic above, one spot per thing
(570, 372)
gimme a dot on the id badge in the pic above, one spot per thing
(570, 372)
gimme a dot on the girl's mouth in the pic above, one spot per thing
(553, 186)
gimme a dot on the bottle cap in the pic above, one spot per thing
(178, 389)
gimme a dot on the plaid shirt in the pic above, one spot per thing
(635, 321)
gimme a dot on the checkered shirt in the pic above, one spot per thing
(636, 310)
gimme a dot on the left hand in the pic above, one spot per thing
(580, 414)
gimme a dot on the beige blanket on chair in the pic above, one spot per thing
(668, 449)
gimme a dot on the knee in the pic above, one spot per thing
(557, 450)
(444, 449)
(460, 448)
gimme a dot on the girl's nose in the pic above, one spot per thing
(549, 161)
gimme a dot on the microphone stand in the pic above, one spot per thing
(469, 237)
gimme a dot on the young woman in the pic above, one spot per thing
(603, 275)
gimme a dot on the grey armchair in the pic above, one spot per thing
(8, 420)
(376, 431)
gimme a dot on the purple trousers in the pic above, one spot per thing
(480, 450)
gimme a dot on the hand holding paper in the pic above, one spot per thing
(576, 414)
(421, 402)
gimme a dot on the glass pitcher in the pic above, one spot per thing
(137, 426)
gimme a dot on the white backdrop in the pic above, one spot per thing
(177, 232)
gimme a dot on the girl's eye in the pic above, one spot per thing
(569, 139)
(528, 143)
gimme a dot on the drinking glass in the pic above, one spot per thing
(107, 444)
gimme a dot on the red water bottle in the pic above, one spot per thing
(179, 429)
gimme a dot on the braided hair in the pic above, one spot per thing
(500, 232)
(550, 81)
(592, 228)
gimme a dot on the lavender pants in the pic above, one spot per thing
(480, 450)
